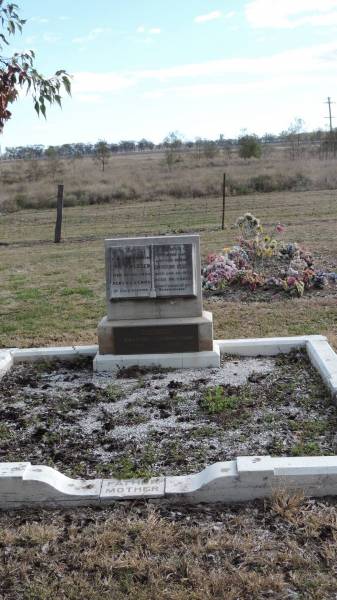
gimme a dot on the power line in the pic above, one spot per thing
(330, 117)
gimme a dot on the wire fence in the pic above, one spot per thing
(131, 218)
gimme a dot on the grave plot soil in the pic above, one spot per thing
(149, 423)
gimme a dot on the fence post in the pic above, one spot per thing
(59, 213)
(223, 201)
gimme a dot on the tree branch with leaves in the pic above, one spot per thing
(19, 72)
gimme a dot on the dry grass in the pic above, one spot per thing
(54, 294)
(283, 549)
(144, 177)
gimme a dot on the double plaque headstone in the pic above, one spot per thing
(154, 300)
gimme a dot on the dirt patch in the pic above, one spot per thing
(174, 422)
(236, 293)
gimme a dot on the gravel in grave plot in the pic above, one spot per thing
(144, 423)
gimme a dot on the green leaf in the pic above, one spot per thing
(2, 37)
(11, 27)
(67, 84)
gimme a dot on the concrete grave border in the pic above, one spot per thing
(242, 479)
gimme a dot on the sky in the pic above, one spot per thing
(144, 68)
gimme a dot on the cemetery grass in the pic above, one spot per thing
(54, 294)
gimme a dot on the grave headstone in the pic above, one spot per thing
(154, 298)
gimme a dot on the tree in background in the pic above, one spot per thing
(19, 71)
(102, 153)
(127, 145)
(210, 149)
(172, 144)
(293, 133)
(54, 164)
(249, 146)
(145, 144)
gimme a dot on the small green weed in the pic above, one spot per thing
(312, 428)
(141, 383)
(276, 448)
(175, 453)
(125, 468)
(306, 449)
(17, 281)
(133, 417)
(204, 431)
(113, 392)
(5, 432)
(215, 400)
(28, 294)
(80, 291)
(174, 398)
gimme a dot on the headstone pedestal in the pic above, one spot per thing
(154, 305)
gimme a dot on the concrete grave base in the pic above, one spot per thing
(178, 360)
(245, 478)
(157, 336)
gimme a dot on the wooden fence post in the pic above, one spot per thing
(59, 213)
(223, 201)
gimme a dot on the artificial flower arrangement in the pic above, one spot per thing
(243, 264)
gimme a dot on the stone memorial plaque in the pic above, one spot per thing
(161, 339)
(130, 272)
(155, 268)
(173, 270)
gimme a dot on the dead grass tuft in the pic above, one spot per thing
(287, 506)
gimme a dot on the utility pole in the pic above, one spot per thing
(330, 117)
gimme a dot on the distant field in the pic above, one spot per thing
(142, 177)
(55, 293)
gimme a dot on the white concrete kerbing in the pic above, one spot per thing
(266, 346)
(206, 486)
(184, 360)
(246, 478)
(315, 476)
(52, 353)
(323, 358)
(6, 362)
(22, 484)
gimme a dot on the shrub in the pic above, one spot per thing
(249, 147)
(263, 183)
